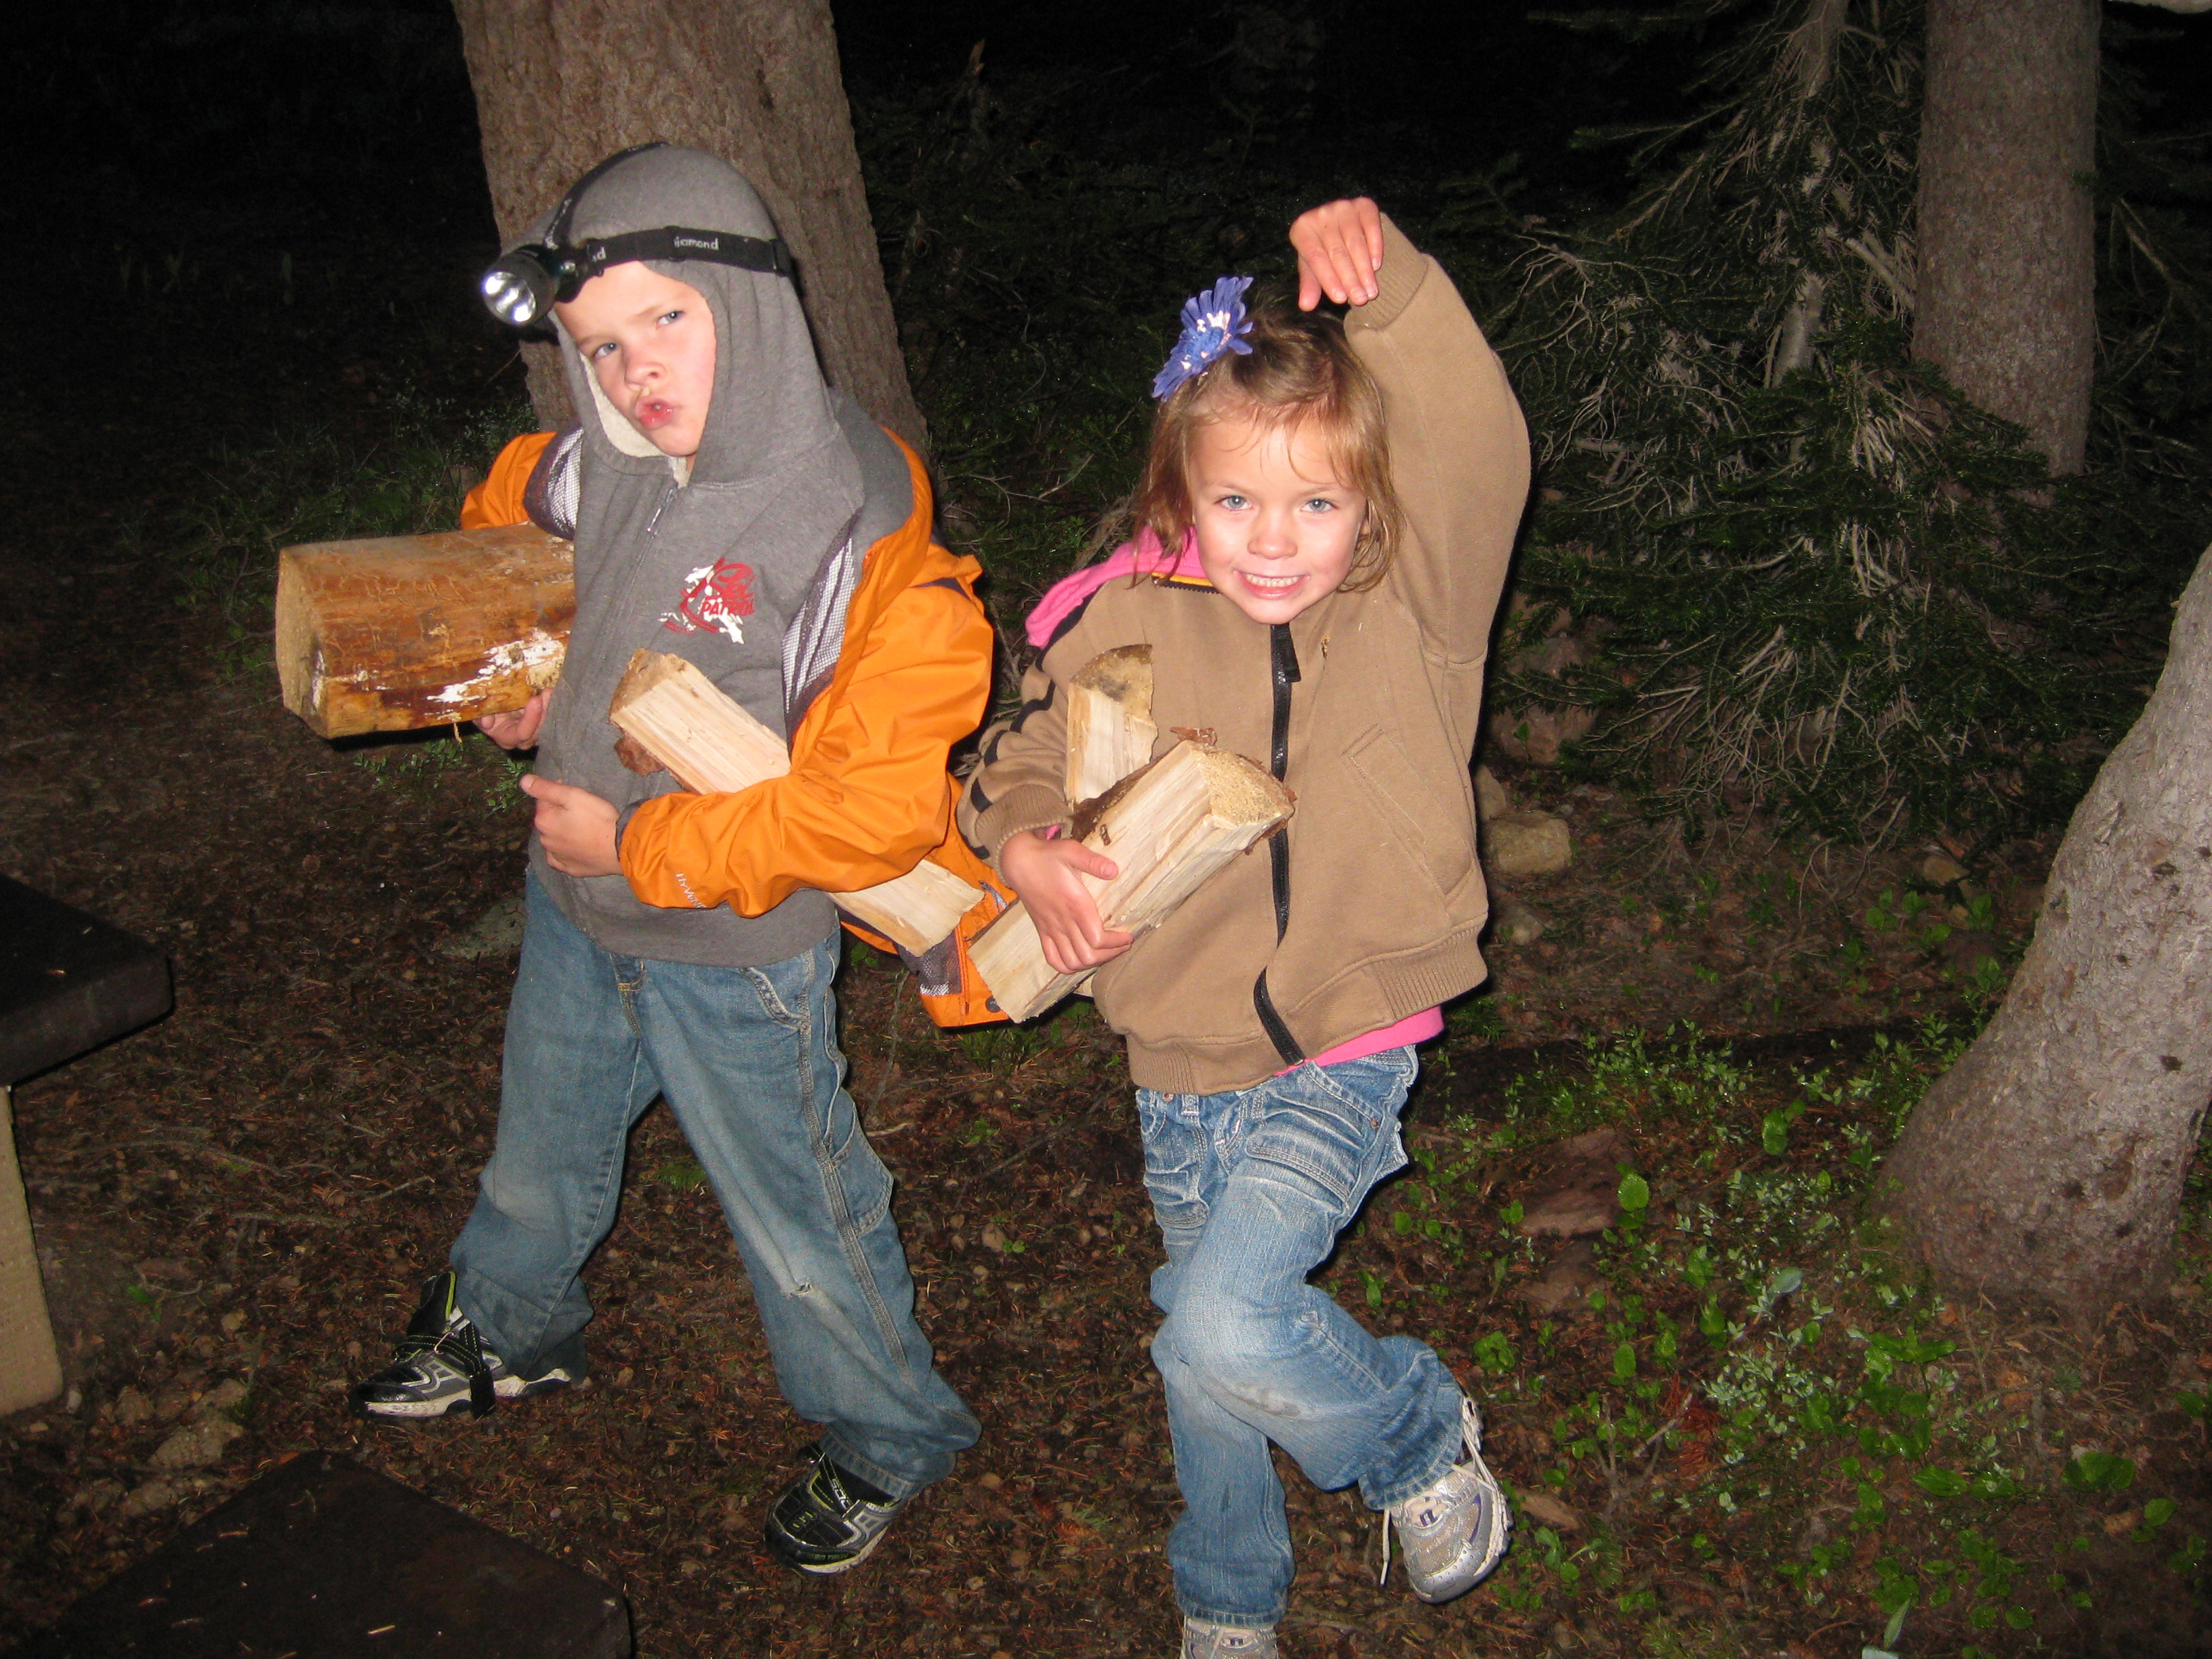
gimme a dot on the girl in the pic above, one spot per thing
(1341, 500)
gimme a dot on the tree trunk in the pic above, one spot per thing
(2047, 1164)
(2006, 306)
(562, 83)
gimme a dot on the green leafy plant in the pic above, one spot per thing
(2099, 1471)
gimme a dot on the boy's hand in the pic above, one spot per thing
(576, 827)
(1045, 874)
(1340, 247)
(518, 730)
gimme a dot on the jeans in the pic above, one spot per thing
(1251, 1188)
(747, 1059)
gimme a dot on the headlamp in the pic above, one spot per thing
(524, 284)
(521, 286)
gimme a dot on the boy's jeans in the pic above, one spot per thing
(747, 1060)
(1251, 1188)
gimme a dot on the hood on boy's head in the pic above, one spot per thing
(769, 402)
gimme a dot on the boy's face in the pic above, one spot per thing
(1276, 528)
(649, 342)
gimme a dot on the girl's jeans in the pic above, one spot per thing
(747, 1059)
(1251, 1188)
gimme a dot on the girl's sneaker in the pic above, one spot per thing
(1453, 1533)
(1204, 1641)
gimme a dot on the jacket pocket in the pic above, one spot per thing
(1428, 817)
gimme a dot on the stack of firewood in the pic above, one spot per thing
(412, 631)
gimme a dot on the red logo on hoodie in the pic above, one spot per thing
(717, 598)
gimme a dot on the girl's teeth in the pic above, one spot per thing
(1270, 581)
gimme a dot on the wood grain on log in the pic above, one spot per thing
(714, 747)
(1168, 828)
(397, 633)
(1110, 721)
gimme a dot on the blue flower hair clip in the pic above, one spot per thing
(1213, 322)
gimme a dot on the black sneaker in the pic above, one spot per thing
(828, 1520)
(441, 1364)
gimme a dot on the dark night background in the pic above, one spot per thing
(244, 217)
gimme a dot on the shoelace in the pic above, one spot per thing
(1470, 1434)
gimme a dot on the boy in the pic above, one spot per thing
(726, 507)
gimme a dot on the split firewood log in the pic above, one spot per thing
(702, 735)
(1168, 826)
(396, 633)
(1110, 721)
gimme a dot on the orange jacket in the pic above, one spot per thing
(498, 499)
(868, 796)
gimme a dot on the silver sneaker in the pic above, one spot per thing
(1205, 1641)
(1455, 1533)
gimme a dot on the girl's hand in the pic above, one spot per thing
(1339, 246)
(576, 827)
(1045, 873)
(518, 730)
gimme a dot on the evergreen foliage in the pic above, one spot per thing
(1828, 584)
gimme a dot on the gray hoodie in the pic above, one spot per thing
(735, 561)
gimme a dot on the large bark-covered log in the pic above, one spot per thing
(1168, 827)
(397, 633)
(702, 735)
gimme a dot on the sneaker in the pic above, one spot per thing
(441, 1364)
(828, 1520)
(1453, 1533)
(1203, 1641)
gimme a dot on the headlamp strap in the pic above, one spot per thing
(673, 243)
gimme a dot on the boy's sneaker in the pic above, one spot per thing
(1454, 1533)
(1203, 1641)
(441, 1364)
(828, 1520)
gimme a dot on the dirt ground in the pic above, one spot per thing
(249, 1192)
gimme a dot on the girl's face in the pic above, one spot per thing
(1276, 527)
(649, 342)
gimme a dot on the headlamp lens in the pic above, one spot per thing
(517, 289)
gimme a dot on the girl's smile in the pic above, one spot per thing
(1276, 528)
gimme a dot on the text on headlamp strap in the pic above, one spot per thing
(675, 243)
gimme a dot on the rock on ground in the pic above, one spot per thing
(496, 933)
(1491, 798)
(1575, 1197)
(1536, 733)
(1564, 1286)
(1520, 844)
(196, 1445)
(1517, 923)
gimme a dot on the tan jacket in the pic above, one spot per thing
(1367, 705)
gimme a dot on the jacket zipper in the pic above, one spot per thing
(667, 495)
(1283, 665)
